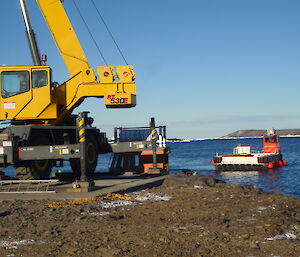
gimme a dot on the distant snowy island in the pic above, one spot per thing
(246, 133)
(178, 140)
(252, 133)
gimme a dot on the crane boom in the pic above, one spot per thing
(64, 36)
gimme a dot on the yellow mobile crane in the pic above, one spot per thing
(40, 111)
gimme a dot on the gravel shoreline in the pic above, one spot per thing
(186, 216)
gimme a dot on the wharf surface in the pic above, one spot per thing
(104, 184)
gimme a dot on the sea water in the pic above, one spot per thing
(197, 156)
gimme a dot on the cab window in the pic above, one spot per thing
(14, 82)
(39, 78)
(119, 162)
(134, 161)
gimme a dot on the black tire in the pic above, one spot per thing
(91, 158)
(37, 169)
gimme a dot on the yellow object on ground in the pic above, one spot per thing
(86, 200)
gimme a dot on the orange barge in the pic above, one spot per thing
(244, 159)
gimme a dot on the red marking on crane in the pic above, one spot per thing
(111, 96)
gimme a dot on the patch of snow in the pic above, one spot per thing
(263, 208)
(287, 235)
(189, 227)
(197, 226)
(136, 198)
(16, 243)
(151, 197)
(200, 187)
(116, 203)
(182, 228)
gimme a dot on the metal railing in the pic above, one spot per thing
(27, 186)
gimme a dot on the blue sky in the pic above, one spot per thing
(203, 68)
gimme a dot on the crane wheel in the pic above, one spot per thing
(39, 169)
(91, 157)
(36, 169)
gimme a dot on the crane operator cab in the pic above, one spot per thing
(25, 92)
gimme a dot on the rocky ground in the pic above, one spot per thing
(186, 216)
